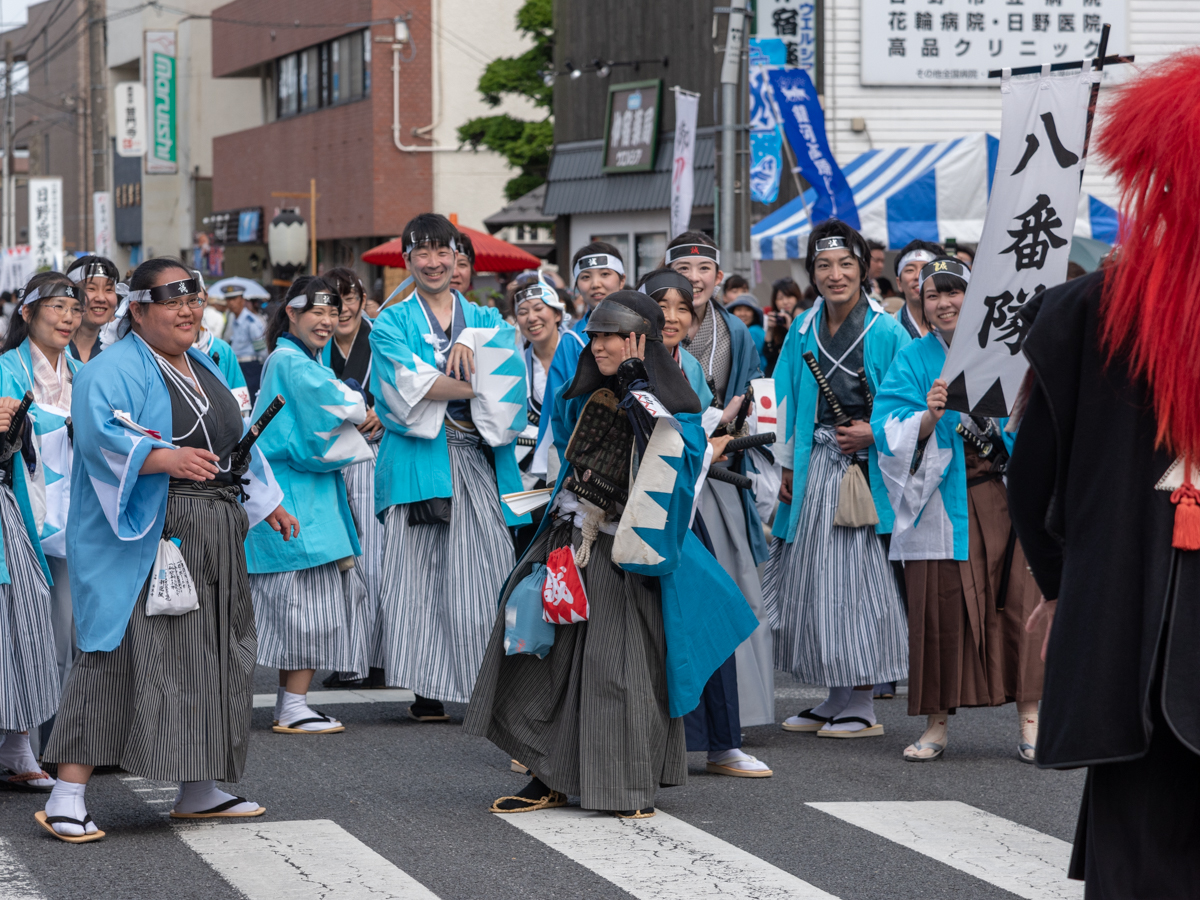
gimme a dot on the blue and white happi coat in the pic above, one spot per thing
(308, 444)
(414, 462)
(705, 616)
(796, 394)
(44, 494)
(930, 503)
(222, 354)
(121, 410)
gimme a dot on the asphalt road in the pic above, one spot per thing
(417, 794)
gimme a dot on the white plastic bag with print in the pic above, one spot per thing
(172, 591)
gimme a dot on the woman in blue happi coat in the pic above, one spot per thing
(36, 637)
(165, 697)
(969, 590)
(600, 715)
(310, 597)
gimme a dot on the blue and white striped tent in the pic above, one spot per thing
(931, 192)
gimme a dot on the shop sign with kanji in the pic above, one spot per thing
(956, 42)
(1027, 232)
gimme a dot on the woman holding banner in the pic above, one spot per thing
(969, 590)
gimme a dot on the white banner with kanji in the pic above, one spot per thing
(683, 173)
(1026, 235)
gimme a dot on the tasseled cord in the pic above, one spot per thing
(1187, 517)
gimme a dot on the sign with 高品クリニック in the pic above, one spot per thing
(956, 42)
(130, 110)
(1026, 241)
(631, 126)
(45, 221)
(159, 66)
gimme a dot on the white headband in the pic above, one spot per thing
(918, 255)
(113, 331)
(598, 261)
(320, 298)
(538, 290)
(91, 270)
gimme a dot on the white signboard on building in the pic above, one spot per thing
(956, 42)
(45, 221)
(102, 234)
(130, 109)
(794, 23)
(159, 68)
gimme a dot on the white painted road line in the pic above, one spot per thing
(310, 860)
(332, 698)
(661, 858)
(1010, 856)
(15, 881)
(159, 795)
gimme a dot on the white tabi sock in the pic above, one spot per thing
(201, 796)
(834, 703)
(296, 709)
(17, 756)
(861, 705)
(737, 759)
(67, 800)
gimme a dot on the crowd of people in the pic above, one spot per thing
(156, 548)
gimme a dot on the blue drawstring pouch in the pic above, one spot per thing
(524, 629)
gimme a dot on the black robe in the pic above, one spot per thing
(1122, 682)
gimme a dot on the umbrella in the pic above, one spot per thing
(491, 254)
(252, 289)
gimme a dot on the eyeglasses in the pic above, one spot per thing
(59, 308)
(175, 304)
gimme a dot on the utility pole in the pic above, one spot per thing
(7, 205)
(98, 97)
(731, 67)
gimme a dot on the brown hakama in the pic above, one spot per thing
(963, 651)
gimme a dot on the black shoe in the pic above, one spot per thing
(342, 681)
(536, 795)
(376, 678)
(424, 709)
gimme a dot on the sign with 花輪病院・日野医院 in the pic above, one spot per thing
(45, 222)
(1027, 232)
(159, 68)
(956, 42)
(631, 126)
(130, 109)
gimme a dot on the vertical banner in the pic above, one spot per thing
(683, 174)
(159, 66)
(766, 139)
(1026, 236)
(130, 108)
(45, 222)
(102, 220)
(804, 125)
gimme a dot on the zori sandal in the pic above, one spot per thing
(47, 822)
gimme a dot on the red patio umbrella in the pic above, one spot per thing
(491, 254)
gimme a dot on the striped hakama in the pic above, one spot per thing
(438, 601)
(725, 520)
(591, 719)
(841, 620)
(315, 618)
(360, 491)
(172, 701)
(29, 685)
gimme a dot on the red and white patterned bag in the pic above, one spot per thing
(564, 600)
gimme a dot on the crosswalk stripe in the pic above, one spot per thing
(309, 860)
(333, 698)
(662, 858)
(1010, 856)
(15, 881)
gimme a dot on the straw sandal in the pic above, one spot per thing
(21, 782)
(646, 813)
(551, 800)
(294, 727)
(219, 811)
(816, 722)
(47, 822)
(868, 731)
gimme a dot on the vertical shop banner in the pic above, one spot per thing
(683, 173)
(1026, 239)
(130, 109)
(102, 232)
(766, 139)
(159, 66)
(45, 222)
(804, 125)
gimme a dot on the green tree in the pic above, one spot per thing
(526, 145)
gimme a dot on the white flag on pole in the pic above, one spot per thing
(683, 175)
(1026, 235)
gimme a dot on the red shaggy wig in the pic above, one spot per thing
(1150, 312)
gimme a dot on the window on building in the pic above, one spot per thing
(620, 241)
(327, 74)
(651, 250)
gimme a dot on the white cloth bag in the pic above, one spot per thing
(172, 591)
